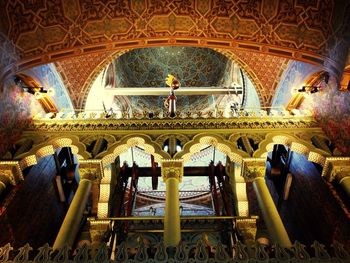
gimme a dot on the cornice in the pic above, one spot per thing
(78, 125)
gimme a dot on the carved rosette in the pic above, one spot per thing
(172, 169)
(253, 168)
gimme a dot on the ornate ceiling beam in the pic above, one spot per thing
(156, 91)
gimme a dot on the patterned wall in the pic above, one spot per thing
(48, 30)
(16, 110)
(293, 77)
(48, 76)
(17, 107)
(331, 108)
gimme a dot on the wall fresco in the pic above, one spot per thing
(17, 107)
(331, 108)
(293, 77)
(16, 111)
(48, 76)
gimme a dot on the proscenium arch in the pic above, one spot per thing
(128, 141)
(225, 146)
(48, 148)
(295, 144)
(229, 54)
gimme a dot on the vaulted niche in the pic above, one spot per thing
(135, 83)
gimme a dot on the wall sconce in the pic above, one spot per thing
(30, 85)
(310, 89)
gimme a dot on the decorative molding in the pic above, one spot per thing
(268, 122)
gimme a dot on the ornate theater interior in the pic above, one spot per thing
(175, 130)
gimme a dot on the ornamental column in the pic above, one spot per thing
(338, 169)
(4, 181)
(72, 221)
(253, 170)
(10, 174)
(172, 173)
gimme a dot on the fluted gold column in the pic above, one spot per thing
(71, 223)
(254, 171)
(172, 173)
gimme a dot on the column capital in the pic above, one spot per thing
(90, 169)
(10, 172)
(336, 168)
(172, 169)
(253, 168)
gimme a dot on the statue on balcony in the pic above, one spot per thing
(170, 102)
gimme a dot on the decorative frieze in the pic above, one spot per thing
(268, 122)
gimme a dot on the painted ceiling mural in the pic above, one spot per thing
(47, 30)
(148, 67)
(78, 71)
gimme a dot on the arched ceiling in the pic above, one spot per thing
(42, 31)
(78, 73)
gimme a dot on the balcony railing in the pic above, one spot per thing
(200, 252)
(263, 112)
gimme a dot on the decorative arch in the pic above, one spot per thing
(295, 144)
(247, 70)
(215, 140)
(226, 52)
(48, 148)
(94, 74)
(128, 141)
